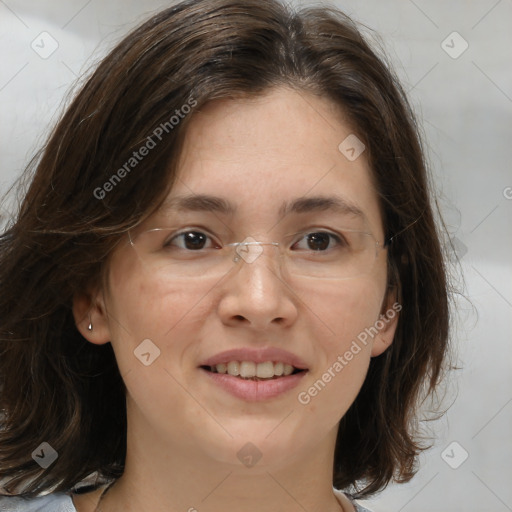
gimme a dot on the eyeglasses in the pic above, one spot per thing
(193, 253)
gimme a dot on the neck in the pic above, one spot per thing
(162, 477)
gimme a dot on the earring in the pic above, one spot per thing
(89, 327)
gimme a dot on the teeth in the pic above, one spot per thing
(265, 370)
(250, 370)
(247, 369)
(233, 368)
(222, 368)
(288, 369)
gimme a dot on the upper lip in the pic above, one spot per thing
(260, 355)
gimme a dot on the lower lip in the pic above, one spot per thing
(255, 390)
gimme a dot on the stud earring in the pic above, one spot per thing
(89, 327)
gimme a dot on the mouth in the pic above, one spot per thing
(251, 370)
(255, 375)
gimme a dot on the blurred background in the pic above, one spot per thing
(452, 59)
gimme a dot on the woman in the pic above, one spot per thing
(224, 286)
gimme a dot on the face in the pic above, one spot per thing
(257, 156)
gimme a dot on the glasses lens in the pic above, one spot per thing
(343, 255)
(318, 254)
(186, 254)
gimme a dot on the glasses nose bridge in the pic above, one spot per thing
(249, 250)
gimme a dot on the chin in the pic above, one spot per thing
(258, 445)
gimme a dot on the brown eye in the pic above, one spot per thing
(190, 240)
(319, 241)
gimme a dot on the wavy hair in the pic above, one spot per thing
(57, 387)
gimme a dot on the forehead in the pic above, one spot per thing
(270, 155)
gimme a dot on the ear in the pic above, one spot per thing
(386, 324)
(89, 311)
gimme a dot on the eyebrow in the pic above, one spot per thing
(209, 203)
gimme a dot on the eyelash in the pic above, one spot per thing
(180, 234)
(339, 239)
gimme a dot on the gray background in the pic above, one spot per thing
(465, 107)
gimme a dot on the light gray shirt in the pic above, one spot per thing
(60, 502)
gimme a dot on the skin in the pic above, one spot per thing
(184, 432)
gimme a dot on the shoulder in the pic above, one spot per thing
(360, 508)
(346, 500)
(57, 502)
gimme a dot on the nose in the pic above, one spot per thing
(255, 293)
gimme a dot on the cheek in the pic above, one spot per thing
(348, 314)
(345, 309)
(146, 316)
(141, 308)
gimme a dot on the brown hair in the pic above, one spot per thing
(57, 387)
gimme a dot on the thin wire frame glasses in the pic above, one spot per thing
(317, 253)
